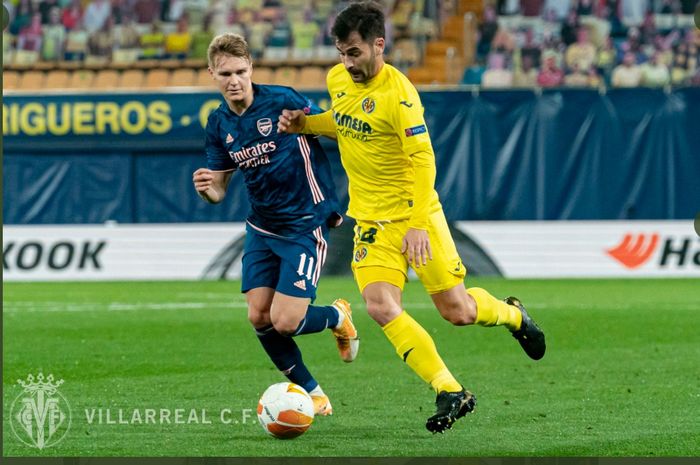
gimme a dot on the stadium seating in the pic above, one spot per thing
(405, 51)
(156, 78)
(286, 76)
(471, 6)
(32, 80)
(106, 79)
(81, 79)
(263, 75)
(423, 75)
(57, 79)
(312, 77)
(131, 79)
(10, 80)
(183, 77)
(204, 79)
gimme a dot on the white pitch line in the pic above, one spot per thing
(73, 307)
(236, 296)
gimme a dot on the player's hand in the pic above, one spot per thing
(202, 179)
(416, 245)
(291, 121)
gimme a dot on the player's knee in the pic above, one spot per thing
(458, 318)
(459, 312)
(259, 318)
(382, 311)
(285, 325)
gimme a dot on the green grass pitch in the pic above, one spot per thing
(621, 376)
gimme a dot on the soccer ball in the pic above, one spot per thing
(285, 410)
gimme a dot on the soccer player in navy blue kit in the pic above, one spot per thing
(293, 205)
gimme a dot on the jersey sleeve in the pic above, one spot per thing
(296, 101)
(322, 124)
(218, 158)
(408, 120)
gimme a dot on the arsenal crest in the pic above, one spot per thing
(265, 126)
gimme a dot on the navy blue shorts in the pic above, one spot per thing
(290, 266)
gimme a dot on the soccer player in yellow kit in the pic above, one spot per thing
(385, 148)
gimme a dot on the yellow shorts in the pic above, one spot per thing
(377, 255)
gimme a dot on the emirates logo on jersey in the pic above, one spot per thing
(265, 126)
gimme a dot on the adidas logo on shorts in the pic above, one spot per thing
(301, 284)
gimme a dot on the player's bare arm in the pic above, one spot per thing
(211, 185)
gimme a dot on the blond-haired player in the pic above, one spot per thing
(292, 207)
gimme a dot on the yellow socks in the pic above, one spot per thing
(415, 346)
(493, 312)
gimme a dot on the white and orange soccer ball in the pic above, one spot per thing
(285, 410)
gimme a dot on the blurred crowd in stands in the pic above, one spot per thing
(619, 43)
(127, 30)
(520, 43)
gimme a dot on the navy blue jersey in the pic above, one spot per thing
(287, 176)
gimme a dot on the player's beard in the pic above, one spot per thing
(367, 71)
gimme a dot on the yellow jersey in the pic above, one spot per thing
(381, 136)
